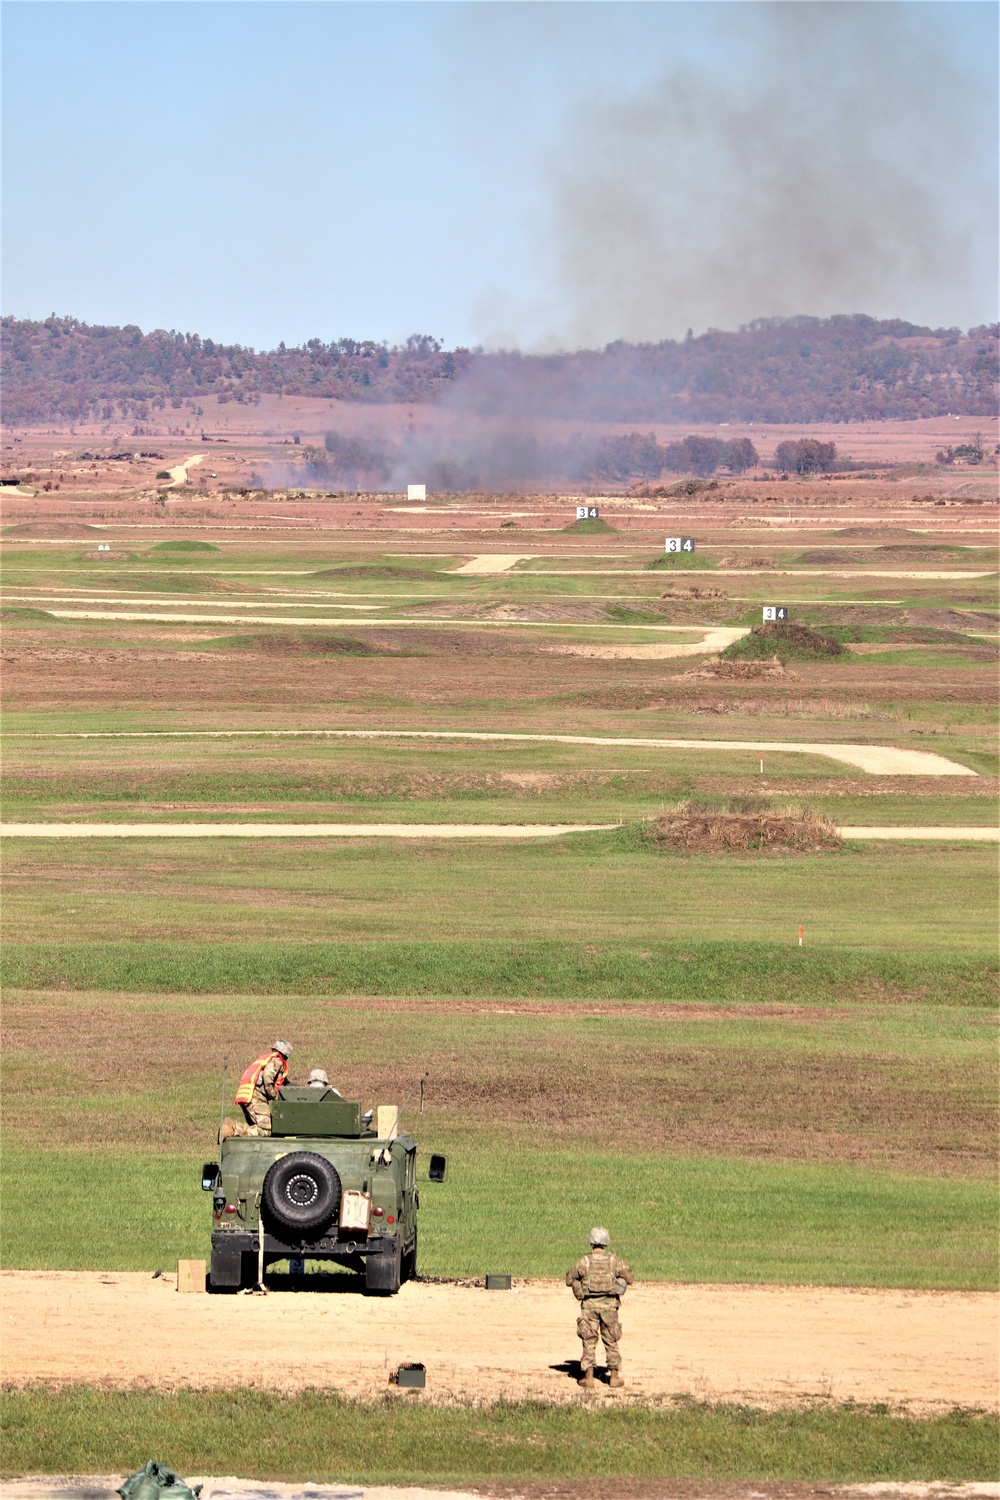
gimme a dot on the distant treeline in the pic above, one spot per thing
(348, 462)
(776, 370)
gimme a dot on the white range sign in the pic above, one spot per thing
(587, 512)
(775, 612)
(681, 544)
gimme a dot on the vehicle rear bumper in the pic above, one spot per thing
(331, 1246)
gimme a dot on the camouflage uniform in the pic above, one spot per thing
(599, 1308)
(258, 1111)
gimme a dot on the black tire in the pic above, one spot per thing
(301, 1193)
(408, 1269)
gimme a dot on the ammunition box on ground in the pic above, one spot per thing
(413, 1377)
(190, 1275)
(498, 1283)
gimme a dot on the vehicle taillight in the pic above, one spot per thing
(230, 1208)
(377, 1213)
(391, 1219)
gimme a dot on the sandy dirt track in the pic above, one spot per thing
(877, 760)
(713, 640)
(403, 831)
(493, 562)
(770, 1345)
(103, 1487)
(179, 473)
(296, 830)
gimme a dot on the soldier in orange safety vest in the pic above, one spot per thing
(257, 1091)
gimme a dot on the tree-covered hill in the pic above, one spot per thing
(840, 369)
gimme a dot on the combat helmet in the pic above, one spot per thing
(285, 1048)
(600, 1239)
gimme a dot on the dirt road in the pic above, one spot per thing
(974, 834)
(295, 830)
(493, 562)
(877, 760)
(179, 473)
(771, 1345)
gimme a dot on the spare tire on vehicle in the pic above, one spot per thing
(301, 1193)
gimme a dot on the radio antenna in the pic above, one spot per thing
(418, 1085)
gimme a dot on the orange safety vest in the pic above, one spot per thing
(249, 1080)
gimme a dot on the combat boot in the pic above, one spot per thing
(586, 1381)
(615, 1380)
(226, 1129)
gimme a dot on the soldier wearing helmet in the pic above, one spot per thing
(318, 1080)
(599, 1282)
(257, 1091)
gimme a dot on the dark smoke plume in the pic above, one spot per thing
(841, 171)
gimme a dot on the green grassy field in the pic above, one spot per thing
(321, 1437)
(587, 887)
(611, 1032)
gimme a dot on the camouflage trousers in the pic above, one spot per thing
(599, 1320)
(257, 1119)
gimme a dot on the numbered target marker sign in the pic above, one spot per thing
(775, 612)
(681, 544)
(587, 513)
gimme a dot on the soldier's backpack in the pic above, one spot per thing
(602, 1275)
(156, 1482)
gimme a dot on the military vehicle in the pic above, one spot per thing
(324, 1185)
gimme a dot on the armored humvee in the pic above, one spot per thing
(324, 1186)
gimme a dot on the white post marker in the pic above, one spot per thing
(587, 512)
(761, 762)
(416, 492)
(681, 544)
(775, 612)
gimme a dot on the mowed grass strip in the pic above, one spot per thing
(592, 889)
(322, 1437)
(688, 970)
(524, 1211)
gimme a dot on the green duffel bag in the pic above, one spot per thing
(156, 1482)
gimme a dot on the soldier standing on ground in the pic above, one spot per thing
(257, 1091)
(599, 1282)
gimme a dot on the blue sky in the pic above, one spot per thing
(526, 174)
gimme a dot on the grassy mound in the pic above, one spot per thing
(682, 561)
(746, 825)
(24, 615)
(305, 643)
(184, 546)
(382, 570)
(52, 529)
(787, 640)
(588, 527)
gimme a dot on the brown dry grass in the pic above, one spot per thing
(572, 1073)
(698, 829)
(739, 671)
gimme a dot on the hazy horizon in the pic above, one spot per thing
(517, 176)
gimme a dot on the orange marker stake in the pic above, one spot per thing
(762, 762)
(800, 937)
